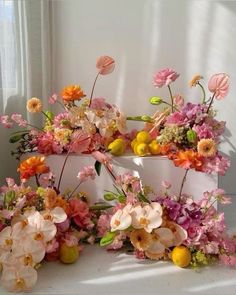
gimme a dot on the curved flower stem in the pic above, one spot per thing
(37, 180)
(35, 127)
(113, 176)
(173, 107)
(46, 116)
(75, 189)
(211, 102)
(139, 118)
(203, 92)
(183, 182)
(94, 83)
(62, 169)
(172, 99)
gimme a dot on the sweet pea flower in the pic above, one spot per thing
(17, 118)
(178, 100)
(52, 99)
(165, 77)
(4, 120)
(86, 173)
(18, 278)
(219, 85)
(105, 65)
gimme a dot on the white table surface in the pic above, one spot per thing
(115, 273)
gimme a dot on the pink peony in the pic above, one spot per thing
(165, 77)
(219, 85)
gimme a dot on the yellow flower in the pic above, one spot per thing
(195, 80)
(140, 239)
(206, 148)
(34, 105)
(62, 135)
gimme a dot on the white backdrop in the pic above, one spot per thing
(143, 37)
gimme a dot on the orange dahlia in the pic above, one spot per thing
(32, 166)
(188, 159)
(72, 92)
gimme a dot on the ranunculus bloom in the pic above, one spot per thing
(32, 166)
(72, 92)
(219, 84)
(188, 159)
(34, 105)
(105, 65)
(165, 77)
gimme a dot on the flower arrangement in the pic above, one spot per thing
(41, 224)
(165, 226)
(187, 133)
(85, 124)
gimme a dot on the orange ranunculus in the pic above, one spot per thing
(32, 166)
(72, 92)
(188, 159)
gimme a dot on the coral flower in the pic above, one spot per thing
(165, 77)
(206, 147)
(72, 92)
(140, 239)
(34, 105)
(195, 80)
(32, 166)
(187, 159)
(105, 65)
(219, 84)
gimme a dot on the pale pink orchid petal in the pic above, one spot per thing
(58, 215)
(105, 65)
(18, 278)
(219, 84)
(156, 247)
(6, 238)
(52, 99)
(166, 237)
(121, 220)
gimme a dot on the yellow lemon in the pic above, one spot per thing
(181, 256)
(133, 143)
(68, 254)
(141, 149)
(154, 147)
(117, 147)
(143, 137)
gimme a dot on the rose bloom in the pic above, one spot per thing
(32, 166)
(34, 105)
(165, 77)
(72, 92)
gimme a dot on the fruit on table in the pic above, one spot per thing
(154, 147)
(141, 149)
(117, 147)
(144, 145)
(143, 137)
(68, 254)
(181, 256)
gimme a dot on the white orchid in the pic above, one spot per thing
(56, 215)
(121, 220)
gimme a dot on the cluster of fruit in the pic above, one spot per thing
(144, 145)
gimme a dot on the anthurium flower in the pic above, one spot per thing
(219, 84)
(29, 251)
(18, 278)
(32, 166)
(40, 229)
(105, 65)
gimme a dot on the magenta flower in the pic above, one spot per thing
(219, 84)
(86, 173)
(165, 77)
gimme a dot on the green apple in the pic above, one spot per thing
(68, 254)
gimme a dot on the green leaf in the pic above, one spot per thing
(109, 196)
(122, 199)
(155, 100)
(100, 207)
(9, 197)
(143, 198)
(15, 138)
(98, 167)
(107, 239)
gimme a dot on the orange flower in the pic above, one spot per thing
(195, 80)
(32, 166)
(206, 147)
(34, 105)
(72, 92)
(188, 159)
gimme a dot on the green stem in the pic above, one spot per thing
(139, 118)
(211, 102)
(91, 96)
(203, 92)
(35, 127)
(37, 180)
(172, 99)
(165, 102)
(183, 182)
(46, 116)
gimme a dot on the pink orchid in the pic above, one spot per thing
(86, 173)
(52, 99)
(219, 84)
(165, 77)
(105, 65)
(80, 141)
(4, 120)
(17, 118)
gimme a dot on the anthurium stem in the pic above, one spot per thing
(211, 102)
(94, 83)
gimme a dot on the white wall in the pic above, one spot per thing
(143, 37)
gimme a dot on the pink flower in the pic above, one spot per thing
(219, 84)
(61, 120)
(165, 77)
(166, 184)
(98, 103)
(139, 254)
(102, 158)
(17, 118)
(80, 141)
(229, 260)
(80, 213)
(218, 164)
(105, 65)
(4, 120)
(103, 224)
(47, 145)
(52, 99)
(70, 240)
(52, 246)
(63, 226)
(178, 100)
(86, 173)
